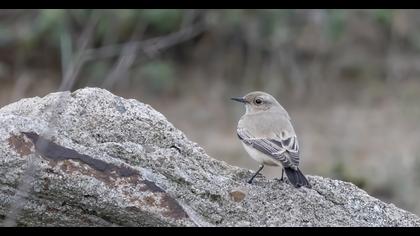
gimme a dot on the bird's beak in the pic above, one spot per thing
(240, 99)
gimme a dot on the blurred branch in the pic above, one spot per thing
(125, 61)
(391, 69)
(189, 16)
(66, 49)
(78, 60)
(21, 86)
(150, 46)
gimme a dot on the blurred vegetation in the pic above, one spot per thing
(257, 45)
(339, 171)
(352, 77)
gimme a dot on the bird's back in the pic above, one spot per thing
(268, 124)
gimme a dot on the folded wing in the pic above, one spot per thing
(285, 150)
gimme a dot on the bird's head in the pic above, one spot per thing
(258, 101)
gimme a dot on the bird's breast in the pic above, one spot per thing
(260, 157)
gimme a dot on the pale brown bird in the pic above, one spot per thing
(267, 134)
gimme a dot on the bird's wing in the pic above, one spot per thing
(284, 150)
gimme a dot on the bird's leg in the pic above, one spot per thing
(256, 173)
(282, 172)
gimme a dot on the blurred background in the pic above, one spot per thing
(350, 79)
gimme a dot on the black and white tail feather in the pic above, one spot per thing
(296, 177)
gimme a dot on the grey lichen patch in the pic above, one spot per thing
(119, 105)
(149, 148)
(20, 145)
(127, 151)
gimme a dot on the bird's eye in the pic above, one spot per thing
(258, 101)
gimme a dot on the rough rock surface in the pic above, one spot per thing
(100, 159)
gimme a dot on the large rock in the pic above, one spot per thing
(99, 159)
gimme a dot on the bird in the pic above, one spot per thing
(267, 134)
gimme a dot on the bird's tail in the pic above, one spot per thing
(296, 177)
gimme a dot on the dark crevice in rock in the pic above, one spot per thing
(152, 187)
(55, 152)
(175, 147)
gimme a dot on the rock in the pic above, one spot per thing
(96, 159)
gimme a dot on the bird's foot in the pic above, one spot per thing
(256, 173)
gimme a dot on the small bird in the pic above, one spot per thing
(268, 136)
